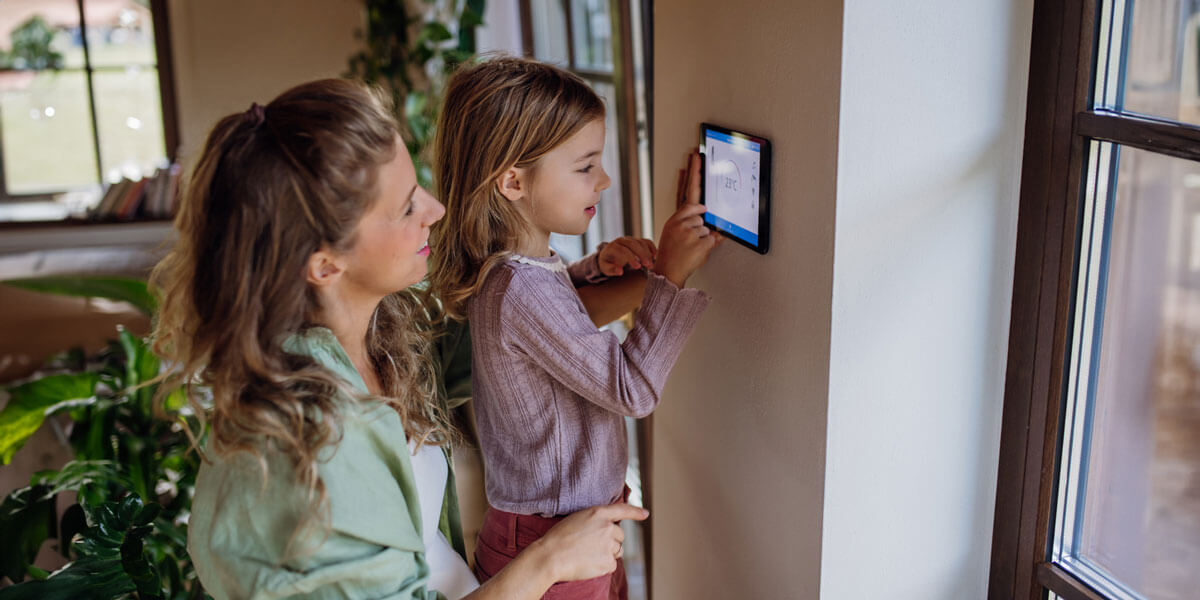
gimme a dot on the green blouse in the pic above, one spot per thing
(256, 538)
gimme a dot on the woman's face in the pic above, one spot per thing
(392, 238)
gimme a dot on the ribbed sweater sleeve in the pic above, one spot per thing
(587, 269)
(548, 324)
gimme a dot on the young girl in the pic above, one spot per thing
(518, 158)
(299, 225)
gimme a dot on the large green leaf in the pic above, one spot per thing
(124, 289)
(27, 515)
(112, 559)
(27, 518)
(30, 403)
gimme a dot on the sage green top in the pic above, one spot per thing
(251, 538)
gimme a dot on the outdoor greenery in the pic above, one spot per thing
(32, 47)
(49, 103)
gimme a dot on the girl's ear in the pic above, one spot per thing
(514, 184)
(324, 267)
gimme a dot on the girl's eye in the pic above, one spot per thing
(587, 169)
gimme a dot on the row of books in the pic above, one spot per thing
(153, 197)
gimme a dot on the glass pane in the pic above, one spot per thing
(120, 32)
(129, 115)
(592, 31)
(610, 217)
(40, 34)
(549, 31)
(46, 130)
(1159, 72)
(1130, 523)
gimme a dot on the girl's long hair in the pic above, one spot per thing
(271, 187)
(497, 114)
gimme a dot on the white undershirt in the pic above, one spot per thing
(448, 572)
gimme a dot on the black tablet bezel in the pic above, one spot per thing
(764, 188)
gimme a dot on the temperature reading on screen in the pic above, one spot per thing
(731, 171)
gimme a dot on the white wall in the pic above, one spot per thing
(932, 115)
(738, 457)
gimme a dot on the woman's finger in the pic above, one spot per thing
(620, 512)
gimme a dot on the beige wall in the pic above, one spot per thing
(739, 440)
(229, 53)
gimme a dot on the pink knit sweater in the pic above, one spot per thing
(551, 390)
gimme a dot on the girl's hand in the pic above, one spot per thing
(685, 242)
(627, 251)
(587, 544)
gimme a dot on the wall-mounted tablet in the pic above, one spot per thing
(736, 185)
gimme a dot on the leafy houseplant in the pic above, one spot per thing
(410, 48)
(132, 473)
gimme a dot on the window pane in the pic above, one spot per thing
(25, 25)
(1159, 72)
(609, 222)
(120, 32)
(549, 31)
(592, 31)
(129, 115)
(46, 130)
(1130, 504)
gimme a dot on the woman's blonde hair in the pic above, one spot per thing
(271, 187)
(498, 113)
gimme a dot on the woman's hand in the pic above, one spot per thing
(584, 545)
(587, 544)
(685, 242)
(636, 253)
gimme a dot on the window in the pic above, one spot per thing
(1099, 480)
(602, 42)
(85, 98)
(606, 43)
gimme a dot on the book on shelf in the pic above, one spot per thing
(150, 197)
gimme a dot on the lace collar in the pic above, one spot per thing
(551, 263)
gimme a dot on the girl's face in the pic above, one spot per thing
(391, 243)
(566, 183)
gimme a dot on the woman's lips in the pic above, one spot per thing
(424, 251)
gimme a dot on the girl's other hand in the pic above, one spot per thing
(636, 253)
(587, 544)
(685, 242)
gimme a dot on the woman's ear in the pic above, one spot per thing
(324, 267)
(514, 184)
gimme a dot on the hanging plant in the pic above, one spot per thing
(410, 47)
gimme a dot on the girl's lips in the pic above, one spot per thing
(424, 251)
(591, 211)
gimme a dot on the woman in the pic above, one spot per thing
(300, 223)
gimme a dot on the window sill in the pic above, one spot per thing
(18, 237)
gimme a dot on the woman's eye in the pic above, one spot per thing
(408, 211)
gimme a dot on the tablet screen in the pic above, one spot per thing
(731, 184)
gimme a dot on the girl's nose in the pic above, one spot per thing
(605, 181)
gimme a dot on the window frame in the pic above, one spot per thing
(1058, 129)
(622, 79)
(164, 67)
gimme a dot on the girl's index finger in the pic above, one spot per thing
(693, 193)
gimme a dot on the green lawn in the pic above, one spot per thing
(46, 129)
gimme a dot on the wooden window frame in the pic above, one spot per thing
(164, 66)
(1058, 130)
(622, 79)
